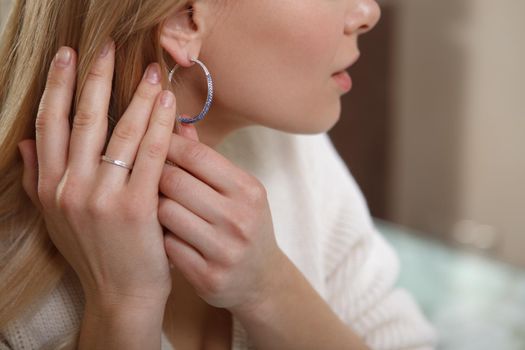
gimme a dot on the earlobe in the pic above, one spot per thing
(180, 36)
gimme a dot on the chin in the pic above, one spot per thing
(304, 121)
(324, 123)
(313, 126)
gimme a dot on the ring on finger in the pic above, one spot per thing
(120, 163)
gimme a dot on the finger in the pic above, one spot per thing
(153, 149)
(187, 260)
(205, 163)
(187, 130)
(30, 175)
(90, 122)
(188, 227)
(129, 131)
(52, 121)
(180, 186)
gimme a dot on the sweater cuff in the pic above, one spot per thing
(360, 290)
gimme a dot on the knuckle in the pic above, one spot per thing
(155, 149)
(98, 205)
(55, 81)
(214, 281)
(174, 182)
(68, 199)
(96, 73)
(84, 119)
(164, 121)
(253, 190)
(45, 195)
(238, 224)
(230, 257)
(194, 152)
(43, 117)
(126, 131)
(146, 92)
(95, 207)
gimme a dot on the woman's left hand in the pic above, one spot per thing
(220, 231)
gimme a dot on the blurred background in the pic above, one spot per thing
(434, 128)
(434, 133)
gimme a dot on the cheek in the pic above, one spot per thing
(294, 46)
(278, 67)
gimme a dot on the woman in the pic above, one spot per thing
(252, 235)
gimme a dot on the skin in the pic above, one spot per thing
(284, 84)
(224, 244)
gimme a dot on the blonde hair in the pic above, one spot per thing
(30, 265)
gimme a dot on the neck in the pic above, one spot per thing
(216, 125)
(218, 122)
(214, 128)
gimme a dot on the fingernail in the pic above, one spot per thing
(152, 74)
(105, 49)
(63, 57)
(167, 99)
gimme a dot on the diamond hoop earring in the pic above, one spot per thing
(209, 98)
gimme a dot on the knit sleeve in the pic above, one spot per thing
(361, 291)
(361, 268)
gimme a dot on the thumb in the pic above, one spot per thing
(187, 130)
(27, 149)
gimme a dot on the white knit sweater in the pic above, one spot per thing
(321, 222)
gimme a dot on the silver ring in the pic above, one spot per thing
(116, 162)
(209, 98)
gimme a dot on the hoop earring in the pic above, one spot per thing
(209, 98)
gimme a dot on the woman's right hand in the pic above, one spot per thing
(102, 217)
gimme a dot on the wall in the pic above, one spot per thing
(459, 129)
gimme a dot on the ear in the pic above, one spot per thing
(182, 33)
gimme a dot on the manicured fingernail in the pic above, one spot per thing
(152, 74)
(105, 49)
(63, 57)
(167, 99)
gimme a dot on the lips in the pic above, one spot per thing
(349, 65)
(344, 80)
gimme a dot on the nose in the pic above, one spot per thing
(362, 17)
